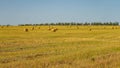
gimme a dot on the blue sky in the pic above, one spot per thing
(42, 11)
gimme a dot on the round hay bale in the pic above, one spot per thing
(26, 30)
(53, 30)
(38, 27)
(2, 26)
(56, 29)
(104, 27)
(77, 27)
(33, 28)
(112, 27)
(90, 29)
(49, 28)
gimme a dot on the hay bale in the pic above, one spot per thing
(33, 28)
(49, 28)
(112, 27)
(38, 27)
(54, 30)
(90, 29)
(2, 26)
(26, 30)
(104, 27)
(77, 27)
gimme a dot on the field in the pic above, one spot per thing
(68, 47)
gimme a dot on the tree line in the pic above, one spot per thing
(73, 23)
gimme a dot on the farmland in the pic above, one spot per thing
(68, 47)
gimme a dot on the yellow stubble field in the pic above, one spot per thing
(67, 47)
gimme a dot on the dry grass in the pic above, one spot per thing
(67, 48)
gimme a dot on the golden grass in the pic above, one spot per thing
(69, 47)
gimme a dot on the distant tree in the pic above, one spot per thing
(72, 23)
(86, 23)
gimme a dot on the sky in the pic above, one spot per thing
(46, 11)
